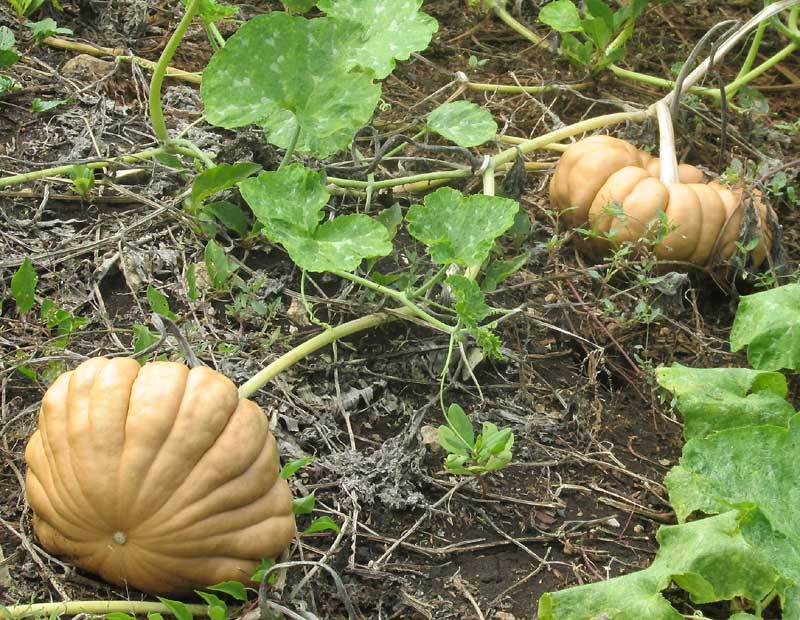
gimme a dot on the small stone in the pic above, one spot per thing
(296, 312)
(5, 574)
(430, 436)
(612, 522)
(86, 68)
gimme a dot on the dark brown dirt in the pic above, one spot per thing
(582, 499)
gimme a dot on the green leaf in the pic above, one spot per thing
(219, 267)
(191, 282)
(709, 557)
(393, 29)
(211, 11)
(46, 28)
(23, 286)
(143, 338)
(7, 38)
(599, 9)
(118, 615)
(292, 467)
(82, 178)
(460, 230)
(768, 323)
(263, 567)
(289, 203)
(154, 615)
(231, 588)
(561, 16)
(282, 71)
(487, 341)
(579, 53)
(500, 270)
(304, 505)
(230, 215)
(463, 122)
(158, 302)
(456, 464)
(217, 609)
(470, 304)
(496, 441)
(391, 217)
(8, 84)
(754, 466)
(751, 99)
(299, 6)
(8, 58)
(169, 160)
(213, 180)
(322, 524)
(461, 425)
(714, 399)
(451, 442)
(178, 609)
(629, 12)
(597, 31)
(40, 105)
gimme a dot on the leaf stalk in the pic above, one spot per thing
(72, 608)
(157, 80)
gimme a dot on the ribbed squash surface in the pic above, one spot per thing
(156, 477)
(607, 185)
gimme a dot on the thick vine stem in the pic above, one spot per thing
(399, 296)
(118, 54)
(666, 147)
(558, 135)
(74, 608)
(534, 90)
(134, 158)
(157, 81)
(753, 22)
(268, 373)
(498, 6)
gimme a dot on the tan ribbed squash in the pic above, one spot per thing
(156, 477)
(599, 171)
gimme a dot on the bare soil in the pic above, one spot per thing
(583, 497)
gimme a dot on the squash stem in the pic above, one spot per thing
(134, 158)
(157, 80)
(499, 9)
(732, 88)
(589, 124)
(188, 147)
(287, 156)
(669, 159)
(311, 345)
(513, 89)
(73, 608)
(399, 296)
(763, 15)
(119, 55)
(753, 51)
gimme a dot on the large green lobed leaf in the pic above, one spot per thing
(713, 399)
(393, 29)
(753, 468)
(281, 71)
(768, 323)
(463, 122)
(460, 230)
(289, 204)
(709, 559)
